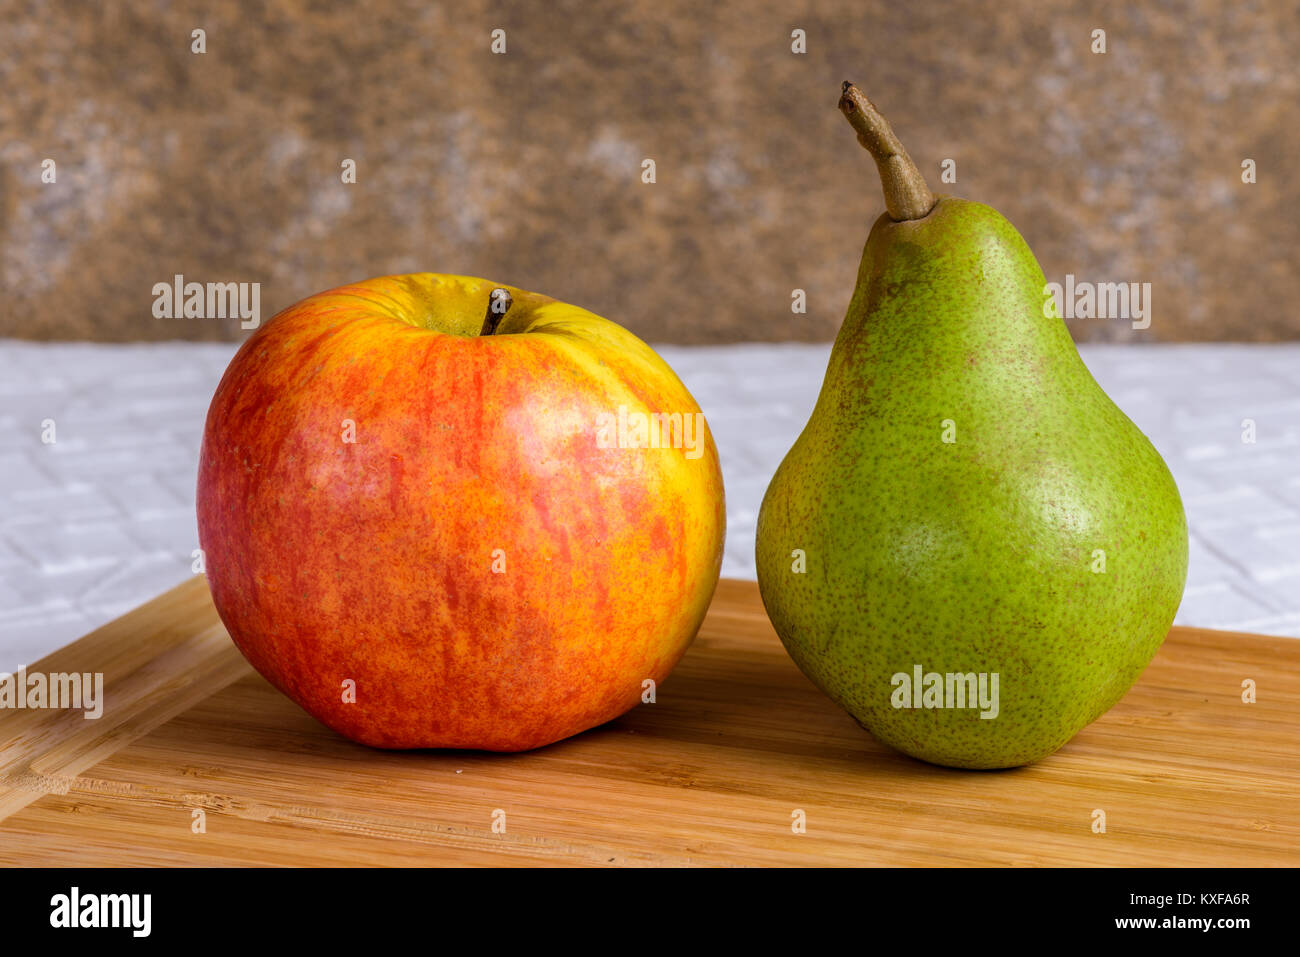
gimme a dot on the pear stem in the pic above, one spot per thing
(499, 302)
(906, 194)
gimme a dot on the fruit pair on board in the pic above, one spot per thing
(444, 512)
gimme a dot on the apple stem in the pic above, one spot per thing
(499, 303)
(906, 194)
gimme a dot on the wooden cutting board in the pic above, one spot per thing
(713, 773)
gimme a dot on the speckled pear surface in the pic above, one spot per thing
(966, 499)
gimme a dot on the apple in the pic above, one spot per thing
(439, 512)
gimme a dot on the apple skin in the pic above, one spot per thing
(373, 560)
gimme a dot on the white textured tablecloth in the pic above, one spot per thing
(103, 518)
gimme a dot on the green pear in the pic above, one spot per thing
(970, 548)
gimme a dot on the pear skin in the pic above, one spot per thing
(965, 499)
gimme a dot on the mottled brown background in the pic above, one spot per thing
(525, 168)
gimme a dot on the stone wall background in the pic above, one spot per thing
(526, 167)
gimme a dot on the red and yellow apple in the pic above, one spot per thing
(414, 527)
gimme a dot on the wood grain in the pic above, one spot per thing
(710, 774)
